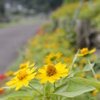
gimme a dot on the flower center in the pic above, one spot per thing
(51, 70)
(84, 50)
(21, 75)
(22, 66)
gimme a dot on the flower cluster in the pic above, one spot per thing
(27, 72)
(23, 76)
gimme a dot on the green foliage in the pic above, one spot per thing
(87, 67)
(70, 1)
(75, 86)
(19, 95)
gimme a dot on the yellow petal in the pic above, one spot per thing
(93, 50)
(13, 85)
(32, 65)
(79, 55)
(31, 71)
(61, 67)
(56, 76)
(51, 80)
(25, 82)
(27, 63)
(58, 55)
(51, 54)
(58, 65)
(45, 79)
(29, 77)
(63, 74)
(41, 70)
(19, 85)
(39, 76)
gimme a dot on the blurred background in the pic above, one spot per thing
(16, 10)
(22, 19)
(32, 29)
(19, 21)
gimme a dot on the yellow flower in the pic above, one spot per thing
(26, 65)
(97, 75)
(68, 59)
(75, 65)
(1, 88)
(52, 72)
(95, 92)
(10, 73)
(81, 66)
(22, 78)
(85, 51)
(52, 57)
(83, 61)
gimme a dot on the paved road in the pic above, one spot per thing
(12, 39)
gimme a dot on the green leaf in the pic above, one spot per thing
(87, 67)
(36, 84)
(92, 83)
(75, 87)
(18, 94)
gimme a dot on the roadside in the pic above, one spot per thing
(12, 39)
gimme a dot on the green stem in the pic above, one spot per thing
(54, 89)
(54, 86)
(75, 57)
(36, 89)
(92, 70)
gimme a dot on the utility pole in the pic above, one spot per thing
(77, 12)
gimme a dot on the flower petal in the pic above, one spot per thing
(56, 76)
(79, 55)
(93, 50)
(51, 80)
(32, 65)
(43, 80)
(19, 85)
(31, 76)
(39, 76)
(25, 82)
(41, 70)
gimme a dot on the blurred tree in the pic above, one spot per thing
(2, 9)
(41, 5)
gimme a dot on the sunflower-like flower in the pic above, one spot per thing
(52, 72)
(25, 65)
(85, 51)
(22, 78)
(10, 73)
(98, 76)
(52, 57)
(94, 93)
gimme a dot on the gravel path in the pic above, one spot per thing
(11, 41)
